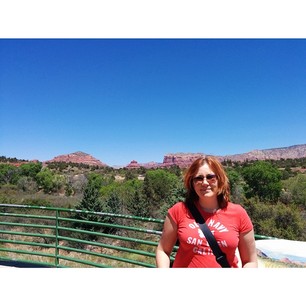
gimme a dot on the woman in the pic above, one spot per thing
(208, 189)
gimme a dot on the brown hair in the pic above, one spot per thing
(223, 182)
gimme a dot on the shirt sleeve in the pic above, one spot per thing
(176, 211)
(246, 224)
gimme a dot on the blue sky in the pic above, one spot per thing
(140, 99)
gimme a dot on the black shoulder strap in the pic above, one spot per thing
(220, 256)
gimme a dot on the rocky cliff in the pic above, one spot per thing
(183, 160)
(293, 152)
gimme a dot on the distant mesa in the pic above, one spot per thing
(181, 160)
(184, 160)
(292, 152)
(77, 158)
(135, 165)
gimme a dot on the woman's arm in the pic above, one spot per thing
(247, 250)
(166, 243)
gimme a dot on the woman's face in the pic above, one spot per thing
(205, 182)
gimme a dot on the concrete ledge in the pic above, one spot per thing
(21, 264)
(287, 251)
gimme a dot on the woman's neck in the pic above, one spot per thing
(209, 210)
(209, 206)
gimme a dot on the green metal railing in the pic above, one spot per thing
(36, 236)
(59, 237)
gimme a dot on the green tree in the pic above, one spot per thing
(158, 187)
(96, 180)
(133, 202)
(287, 172)
(158, 184)
(91, 195)
(177, 194)
(236, 185)
(130, 175)
(138, 206)
(9, 174)
(45, 180)
(296, 186)
(279, 221)
(30, 169)
(90, 202)
(27, 184)
(113, 203)
(263, 180)
(49, 181)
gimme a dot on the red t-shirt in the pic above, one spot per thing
(226, 225)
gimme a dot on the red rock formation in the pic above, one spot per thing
(78, 158)
(182, 160)
(293, 152)
(133, 164)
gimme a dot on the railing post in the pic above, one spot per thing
(56, 238)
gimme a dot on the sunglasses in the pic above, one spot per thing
(200, 179)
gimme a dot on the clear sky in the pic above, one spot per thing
(120, 100)
(139, 99)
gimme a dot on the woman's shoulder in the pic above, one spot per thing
(235, 206)
(178, 210)
(178, 206)
(239, 212)
(236, 209)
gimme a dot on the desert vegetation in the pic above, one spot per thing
(272, 191)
